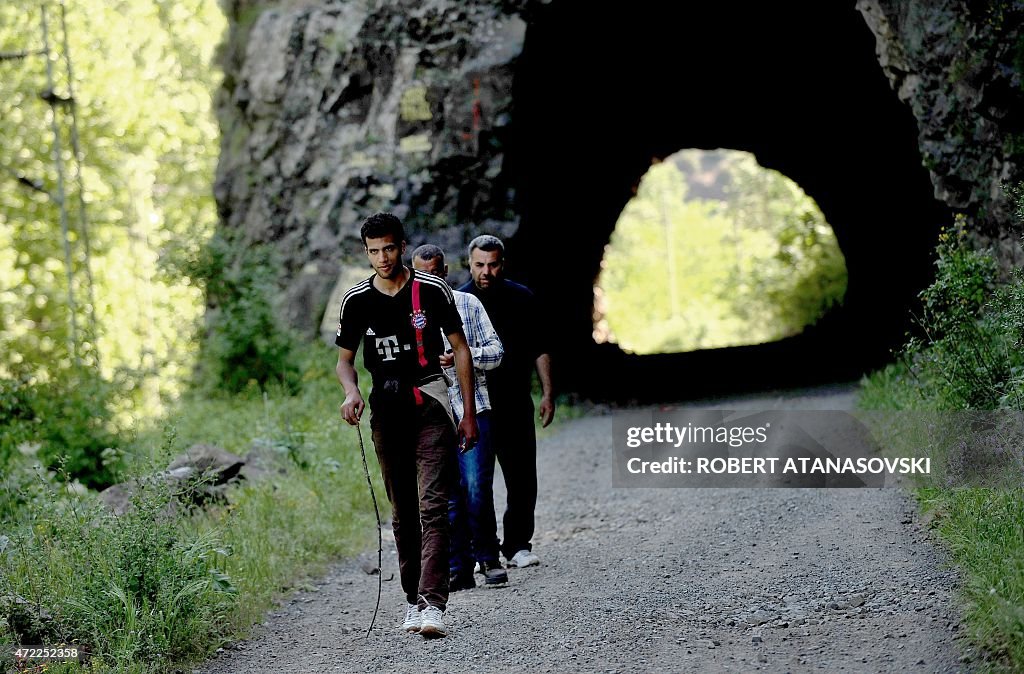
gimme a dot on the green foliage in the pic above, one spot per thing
(969, 355)
(1008, 303)
(968, 350)
(26, 485)
(161, 584)
(1016, 194)
(891, 388)
(66, 421)
(17, 416)
(160, 587)
(984, 530)
(245, 345)
(964, 356)
(801, 273)
(752, 263)
(143, 98)
(273, 419)
(138, 587)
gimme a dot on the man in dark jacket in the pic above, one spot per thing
(517, 317)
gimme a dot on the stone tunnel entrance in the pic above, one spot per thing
(798, 86)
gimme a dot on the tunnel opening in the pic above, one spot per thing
(796, 85)
(714, 251)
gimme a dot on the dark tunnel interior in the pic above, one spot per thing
(600, 92)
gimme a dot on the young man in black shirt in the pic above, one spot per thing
(519, 321)
(399, 316)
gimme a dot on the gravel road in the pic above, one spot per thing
(641, 580)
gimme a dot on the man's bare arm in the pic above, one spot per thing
(352, 408)
(464, 370)
(547, 403)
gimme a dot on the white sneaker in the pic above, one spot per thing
(432, 622)
(413, 619)
(524, 558)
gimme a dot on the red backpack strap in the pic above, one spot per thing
(420, 351)
(416, 310)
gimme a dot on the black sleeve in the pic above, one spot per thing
(352, 323)
(448, 313)
(538, 337)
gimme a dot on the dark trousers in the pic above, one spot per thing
(515, 447)
(414, 448)
(471, 510)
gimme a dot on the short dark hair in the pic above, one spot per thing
(381, 224)
(428, 252)
(487, 243)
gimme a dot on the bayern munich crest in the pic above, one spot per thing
(419, 319)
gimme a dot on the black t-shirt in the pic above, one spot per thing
(387, 326)
(522, 326)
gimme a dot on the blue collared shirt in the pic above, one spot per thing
(485, 347)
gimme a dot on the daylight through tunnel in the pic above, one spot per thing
(715, 251)
(595, 101)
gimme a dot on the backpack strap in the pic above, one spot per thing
(416, 311)
(421, 354)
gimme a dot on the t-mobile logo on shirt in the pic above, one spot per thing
(387, 347)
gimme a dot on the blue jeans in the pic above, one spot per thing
(474, 528)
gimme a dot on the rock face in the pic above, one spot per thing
(958, 66)
(333, 110)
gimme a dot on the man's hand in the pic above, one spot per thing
(546, 411)
(447, 359)
(468, 434)
(352, 408)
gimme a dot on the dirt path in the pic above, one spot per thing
(640, 580)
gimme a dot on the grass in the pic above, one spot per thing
(983, 530)
(160, 588)
(317, 511)
(148, 591)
